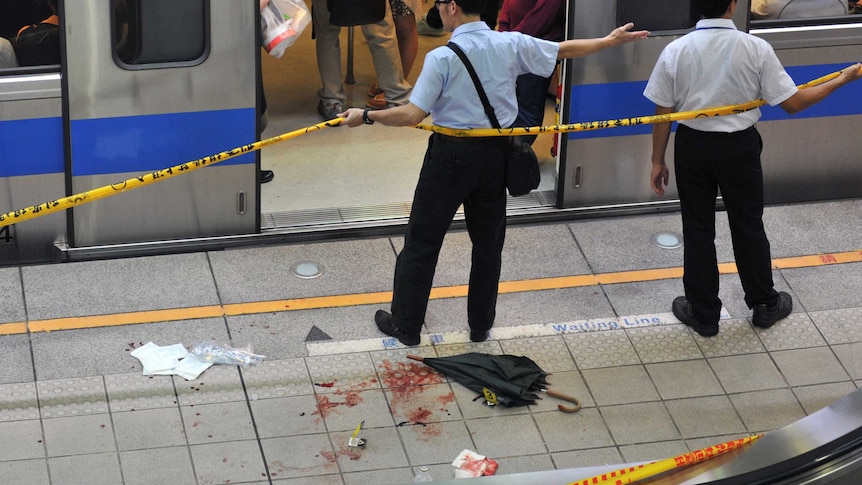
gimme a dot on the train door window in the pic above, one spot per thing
(658, 15)
(30, 38)
(157, 33)
(799, 9)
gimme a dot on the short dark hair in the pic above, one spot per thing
(475, 7)
(713, 8)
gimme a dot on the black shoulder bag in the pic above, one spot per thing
(522, 166)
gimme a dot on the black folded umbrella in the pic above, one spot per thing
(515, 380)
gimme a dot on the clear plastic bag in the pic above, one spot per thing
(281, 23)
(226, 353)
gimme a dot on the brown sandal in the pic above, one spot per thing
(377, 102)
(374, 90)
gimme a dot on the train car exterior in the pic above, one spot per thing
(146, 85)
(142, 86)
(806, 157)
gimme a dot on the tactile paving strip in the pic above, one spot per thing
(131, 392)
(219, 383)
(839, 326)
(550, 353)
(797, 331)
(664, 344)
(594, 350)
(277, 378)
(734, 337)
(342, 373)
(18, 402)
(486, 347)
(396, 370)
(72, 397)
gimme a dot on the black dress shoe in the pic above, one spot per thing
(384, 322)
(765, 316)
(478, 336)
(266, 176)
(682, 310)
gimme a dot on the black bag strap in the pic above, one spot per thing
(489, 110)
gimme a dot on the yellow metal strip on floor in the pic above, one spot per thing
(382, 297)
(13, 328)
(130, 318)
(308, 303)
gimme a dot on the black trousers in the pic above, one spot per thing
(468, 171)
(706, 162)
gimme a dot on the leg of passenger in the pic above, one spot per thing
(387, 61)
(741, 183)
(532, 92)
(485, 214)
(439, 192)
(7, 54)
(408, 40)
(328, 48)
(697, 193)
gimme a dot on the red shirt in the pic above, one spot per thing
(544, 19)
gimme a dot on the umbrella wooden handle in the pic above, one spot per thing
(415, 357)
(565, 397)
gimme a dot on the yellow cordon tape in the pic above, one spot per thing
(597, 125)
(57, 205)
(45, 208)
(634, 474)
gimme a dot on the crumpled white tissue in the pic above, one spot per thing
(169, 360)
(471, 464)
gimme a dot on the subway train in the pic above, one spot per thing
(143, 85)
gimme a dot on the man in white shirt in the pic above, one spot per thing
(717, 65)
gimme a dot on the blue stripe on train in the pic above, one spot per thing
(31, 147)
(601, 102)
(147, 143)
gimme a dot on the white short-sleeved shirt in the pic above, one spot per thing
(444, 87)
(717, 65)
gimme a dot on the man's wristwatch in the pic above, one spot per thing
(365, 117)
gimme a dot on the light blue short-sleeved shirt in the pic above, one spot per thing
(444, 87)
(717, 65)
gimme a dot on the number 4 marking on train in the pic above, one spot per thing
(6, 234)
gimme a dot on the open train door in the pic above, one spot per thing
(151, 84)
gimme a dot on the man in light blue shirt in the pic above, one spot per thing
(468, 171)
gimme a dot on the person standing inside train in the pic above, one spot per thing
(383, 44)
(468, 171)
(717, 65)
(543, 19)
(796, 9)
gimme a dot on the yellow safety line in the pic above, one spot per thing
(307, 303)
(15, 328)
(380, 297)
(131, 318)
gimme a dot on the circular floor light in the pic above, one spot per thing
(667, 240)
(307, 270)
